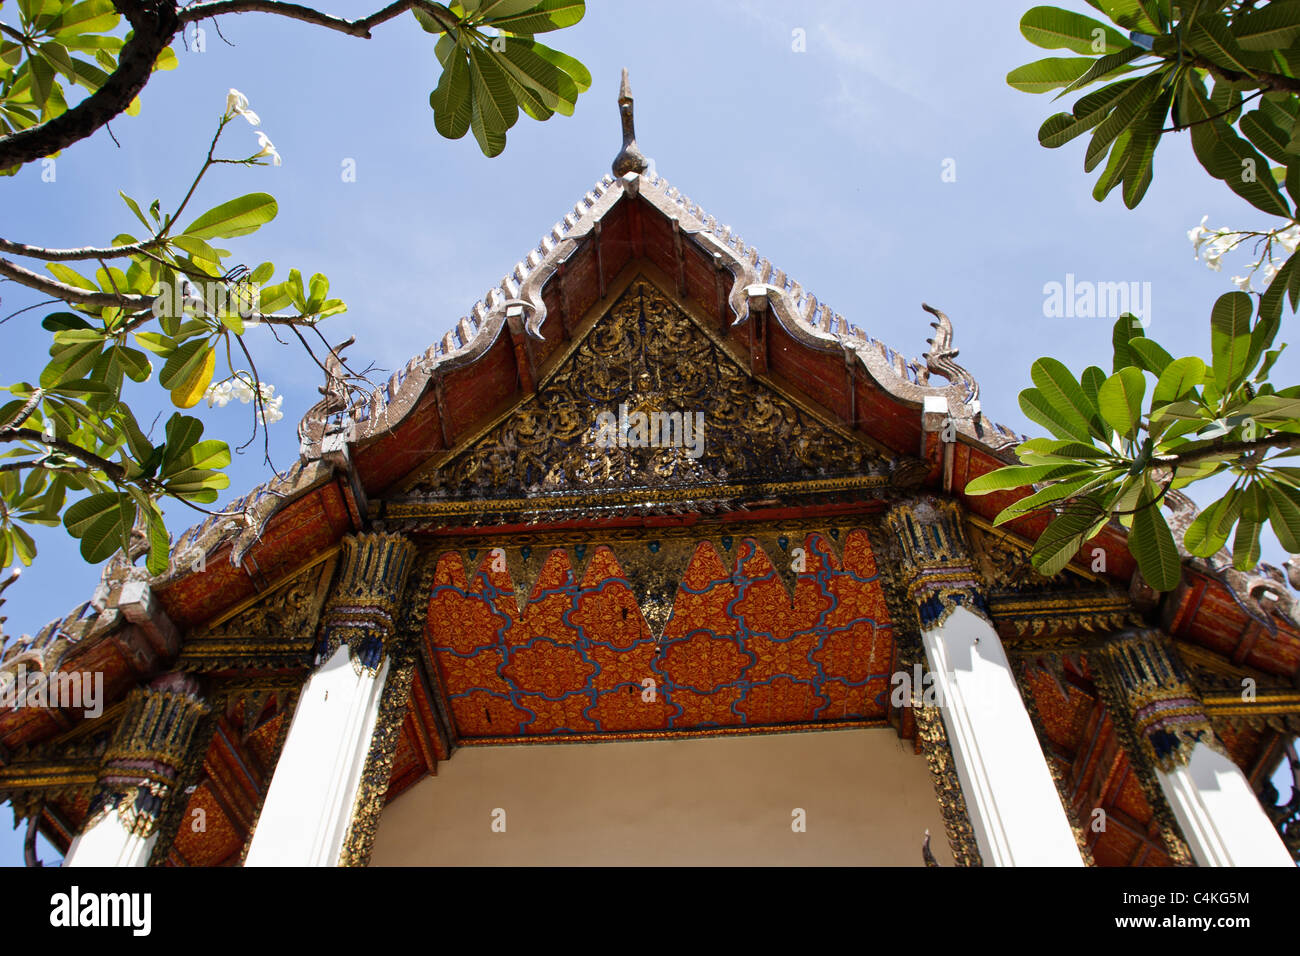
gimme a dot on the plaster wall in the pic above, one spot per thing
(867, 800)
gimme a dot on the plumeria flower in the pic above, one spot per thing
(237, 105)
(268, 149)
(1197, 234)
(219, 395)
(241, 390)
(1242, 283)
(271, 412)
(1289, 239)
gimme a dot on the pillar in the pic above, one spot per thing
(139, 774)
(1011, 798)
(309, 804)
(1218, 812)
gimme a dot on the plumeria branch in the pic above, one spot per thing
(357, 28)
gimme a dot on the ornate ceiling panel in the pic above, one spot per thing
(739, 651)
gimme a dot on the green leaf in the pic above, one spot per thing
(451, 100)
(182, 433)
(1061, 539)
(92, 16)
(1230, 339)
(1120, 400)
(494, 107)
(1062, 423)
(1090, 110)
(70, 276)
(238, 217)
(576, 72)
(1271, 28)
(1017, 476)
(1128, 108)
(183, 363)
(1045, 496)
(1152, 544)
(1054, 29)
(1150, 356)
(1209, 530)
(103, 523)
(1283, 513)
(1048, 73)
(1058, 386)
(542, 17)
(1178, 379)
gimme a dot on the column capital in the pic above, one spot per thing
(147, 753)
(937, 567)
(1167, 713)
(362, 609)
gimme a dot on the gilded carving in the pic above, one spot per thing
(149, 750)
(646, 413)
(936, 568)
(372, 574)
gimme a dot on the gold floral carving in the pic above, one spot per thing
(150, 748)
(931, 733)
(1116, 700)
(378, 770)
(546, 460)
(372, 574)
(1166, 712)
(936, 568)
(278, 630)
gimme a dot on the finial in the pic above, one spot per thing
(630, 159)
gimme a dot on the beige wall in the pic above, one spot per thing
(718, 800)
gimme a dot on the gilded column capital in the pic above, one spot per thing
(937, 568)
(148, 752)
(1167, 713)
(372, 573)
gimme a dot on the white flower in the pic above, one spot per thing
(1242, 283)
(1289, 239)
(241, 390)
(219, 394)
(1269, 269)
(268, 149)
(271, 412)
(1197, 234)
(237, 105)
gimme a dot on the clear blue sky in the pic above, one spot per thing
(829, 161)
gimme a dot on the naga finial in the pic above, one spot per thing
(630, 159)
(939, 360)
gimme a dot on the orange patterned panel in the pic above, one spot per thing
(740, 650)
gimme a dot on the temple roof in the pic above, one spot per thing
(359, 451)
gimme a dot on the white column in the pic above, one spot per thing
(1012, 800)
(108, 842)
(1219, 814)
(309, 804)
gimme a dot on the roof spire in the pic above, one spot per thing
(630, 159)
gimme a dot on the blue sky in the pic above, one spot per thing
(830, 161)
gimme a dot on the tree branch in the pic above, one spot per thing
(1269, 81)
(356, 28)
(154, 23)
(114, 471)
(70, 293)
(1218, 449)
(72, 255)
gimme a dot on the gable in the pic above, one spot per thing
(647, 410)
